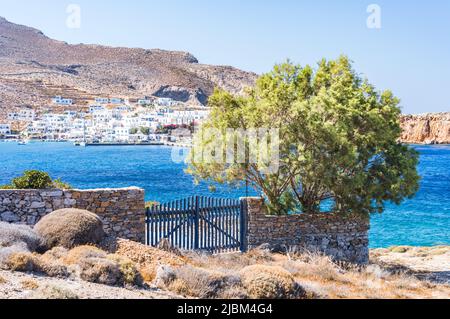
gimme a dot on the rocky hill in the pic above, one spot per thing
(33, 68)
(426, 128)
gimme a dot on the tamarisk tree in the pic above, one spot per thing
(337, 145)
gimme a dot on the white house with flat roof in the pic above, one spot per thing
(101, 100)
(5, 129)
(165, 101)
(26, 115)
(61, 101)
(96, 108)
(116, 101)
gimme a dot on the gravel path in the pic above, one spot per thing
(15, 285)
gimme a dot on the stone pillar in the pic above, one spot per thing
(252, 209)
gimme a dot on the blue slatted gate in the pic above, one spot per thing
(198, 223)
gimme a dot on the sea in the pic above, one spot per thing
(421, 221)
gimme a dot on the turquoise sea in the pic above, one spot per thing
(422, 221)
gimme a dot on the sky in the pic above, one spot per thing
(400, 45)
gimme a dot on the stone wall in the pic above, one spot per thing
(122, 210)
(344, 239)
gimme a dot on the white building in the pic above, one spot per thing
(164, 101)
(116, 101)
(26, 115)
(13, 116)
(96, 108)
(5, 129)
(61, 101)
(145, 101)
(101, 100)
(102, 117)
(71, 114)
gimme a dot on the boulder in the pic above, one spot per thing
(69, 228)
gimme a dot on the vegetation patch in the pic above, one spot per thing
(29, 284)
(69, 228)
(53, 292)
(34, 179)
(269, 282)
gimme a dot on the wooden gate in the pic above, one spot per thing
(198, 223)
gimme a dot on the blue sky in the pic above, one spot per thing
(410, 54)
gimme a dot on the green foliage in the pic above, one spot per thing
(133, 131)
(59, 184)
(34, 179)
(338, 140)
(150, 204)
(145, 130)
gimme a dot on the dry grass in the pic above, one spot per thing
(256, 274)
(29, 284)
(2, 280)
(320, 277)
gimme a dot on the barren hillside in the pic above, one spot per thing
(33, 68)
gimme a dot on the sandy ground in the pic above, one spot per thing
(15, 285)
(432, 263)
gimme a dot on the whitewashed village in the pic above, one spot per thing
(149, 120)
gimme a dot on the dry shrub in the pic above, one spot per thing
(29, 284)
(70, 228)
(6, 252)
(200, 283)
(77, 254)
(148, 274)
(400, 249)
(23, 262)
(314, 266)
(53, 292)
(28, 262)
(19, 235)
(148, 259)
(53, 268)
(269, 282)
(229, 261)
(130, 274)
(92, 264)
(55, 254)
(2, 280)
(100, 271)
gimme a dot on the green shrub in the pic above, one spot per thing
(34, 179)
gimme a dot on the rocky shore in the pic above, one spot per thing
(431, 128)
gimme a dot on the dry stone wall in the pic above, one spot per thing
(122, 210)
(343, 239)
